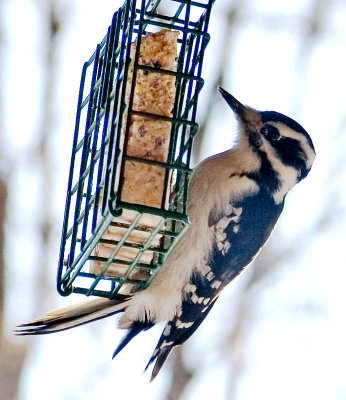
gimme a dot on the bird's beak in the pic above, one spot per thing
(250, 118)
(235, 105)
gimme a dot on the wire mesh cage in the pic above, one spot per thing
(126, 210)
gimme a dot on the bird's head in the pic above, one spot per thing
(278, 138)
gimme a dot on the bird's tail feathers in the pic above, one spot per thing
(134, 330)
(159, 357)
(70, 316)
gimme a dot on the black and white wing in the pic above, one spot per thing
(199, 299)
(239, 233)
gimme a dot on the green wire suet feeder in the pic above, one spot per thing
(94, 203)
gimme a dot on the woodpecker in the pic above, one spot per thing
(235, 199)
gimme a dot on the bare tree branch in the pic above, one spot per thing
(314, 25)
(221, 69)
(180, 376)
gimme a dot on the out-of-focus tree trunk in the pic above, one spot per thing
(43, 153)
(11, 355)
(3, 200)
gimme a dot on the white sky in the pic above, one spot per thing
(296, 348)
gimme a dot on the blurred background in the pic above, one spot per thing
(279, 330)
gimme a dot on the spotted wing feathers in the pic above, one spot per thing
(199, 299)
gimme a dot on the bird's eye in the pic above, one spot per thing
(270, 132)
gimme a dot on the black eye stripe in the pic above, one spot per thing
(290, 153)
(270, 132)
(273, 116)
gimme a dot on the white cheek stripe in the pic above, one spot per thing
(287, 175)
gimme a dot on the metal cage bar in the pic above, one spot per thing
(93, 202)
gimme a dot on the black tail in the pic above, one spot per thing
(135, 329)
(176, 332)
(160, 356)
